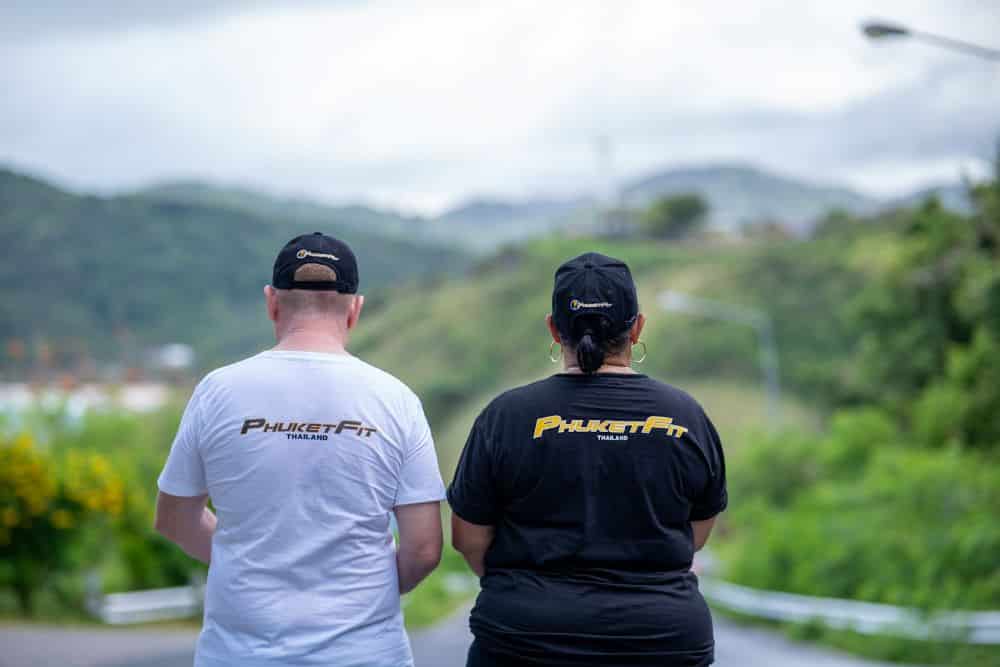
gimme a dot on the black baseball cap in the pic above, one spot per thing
(594, 284)
(316, 248)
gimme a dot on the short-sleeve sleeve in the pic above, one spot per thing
(473, 492)
(714, 497)
(420, 477)
(184, 472)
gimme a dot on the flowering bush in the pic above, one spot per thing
(45, 506)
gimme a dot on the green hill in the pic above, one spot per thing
(460, 343)
(106, 278)
(355, 218)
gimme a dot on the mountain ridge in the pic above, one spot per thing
(110, 277)
(738, 193)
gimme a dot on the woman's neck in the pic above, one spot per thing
(610, 366)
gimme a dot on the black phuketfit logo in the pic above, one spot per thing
(308, 430)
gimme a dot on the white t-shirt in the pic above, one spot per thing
(304, 456)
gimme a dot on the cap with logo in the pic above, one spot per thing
(316, 248)
(594, 284)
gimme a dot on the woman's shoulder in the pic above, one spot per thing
(514, 404)
(525, 394)
(675, 395)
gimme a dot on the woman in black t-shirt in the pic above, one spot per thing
(580, 499)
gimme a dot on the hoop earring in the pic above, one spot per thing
(552, 348)
(644, 352)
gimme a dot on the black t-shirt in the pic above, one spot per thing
(591, 482)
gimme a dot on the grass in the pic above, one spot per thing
(435, 597)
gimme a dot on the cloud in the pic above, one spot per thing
(40, 19)
(419, 105)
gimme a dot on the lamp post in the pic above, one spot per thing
(885, 30)
(758, 319)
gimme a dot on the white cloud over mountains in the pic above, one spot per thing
(421, 104)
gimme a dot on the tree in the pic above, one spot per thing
(931, 323)
(675, 217)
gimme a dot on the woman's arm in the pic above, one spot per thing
(472, 541)
(701, 530)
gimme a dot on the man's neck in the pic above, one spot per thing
(311, 340)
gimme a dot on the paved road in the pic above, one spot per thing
(442, 646)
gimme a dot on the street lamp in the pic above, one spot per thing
(752, 317)
(883, 30)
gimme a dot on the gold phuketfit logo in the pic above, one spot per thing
(614, 429)
(302, 254)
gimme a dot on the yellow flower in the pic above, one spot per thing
(9, 517)
(62, 519)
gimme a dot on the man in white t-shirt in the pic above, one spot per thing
(305, 451)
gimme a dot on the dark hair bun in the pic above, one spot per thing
(589, 353)
(593, 338)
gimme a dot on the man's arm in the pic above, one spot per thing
(187, 522)
(420, 542)
(701, 530)
(472, 541)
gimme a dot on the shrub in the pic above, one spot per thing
(857, 515)
(45, 506)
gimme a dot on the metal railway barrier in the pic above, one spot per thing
(978, 627)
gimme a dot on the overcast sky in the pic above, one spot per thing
(418, 105)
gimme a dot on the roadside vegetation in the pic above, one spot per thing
(879, 481)
(897, 500)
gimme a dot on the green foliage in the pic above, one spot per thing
(859, 515)
(897, 503)
(675, 217)
(46, 505)
(436, 596)
(930, 322)
(106, 278)
(137, 446)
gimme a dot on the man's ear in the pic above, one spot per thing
(354, 312)
(636, 332)
(271, 300)
(552, 329)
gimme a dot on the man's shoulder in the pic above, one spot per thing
(365, 378)
(230, 372)
(383, 380)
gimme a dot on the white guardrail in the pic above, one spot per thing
(165, 604)
(161, 604)
(980, 627)
(158, 604)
